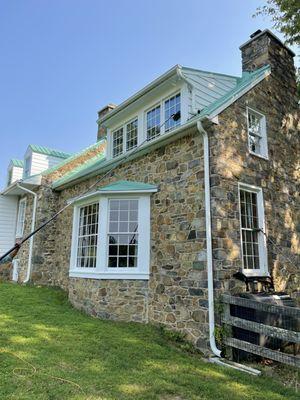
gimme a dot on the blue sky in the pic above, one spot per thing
(62, 60)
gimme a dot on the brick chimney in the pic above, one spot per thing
(102, 130)
(264, 48)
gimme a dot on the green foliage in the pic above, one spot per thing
(285, 15)
(104, 360)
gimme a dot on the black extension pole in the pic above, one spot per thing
(176, 116)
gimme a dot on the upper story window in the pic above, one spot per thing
(257, 133)
(147, 125)
(127, 136)
(27, 167)
(172, 106)
(153, 123)
(21, 218)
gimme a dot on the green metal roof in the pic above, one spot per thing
(49, 152)
(17, 163)
(127, 186)
(73, 157)
(82, 168)
(244, 83)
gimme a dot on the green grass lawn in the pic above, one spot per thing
(108, 360)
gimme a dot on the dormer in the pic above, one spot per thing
(39, 158)
(14, 171)
(161, 108)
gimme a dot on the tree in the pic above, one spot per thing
(285, 15)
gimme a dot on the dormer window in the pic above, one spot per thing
(27, 167)
(117, 142)
(257, 133)
(153, 123)
(172, 106)
(131, 135)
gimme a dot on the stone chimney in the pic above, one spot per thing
(102, 130)
(265, 48)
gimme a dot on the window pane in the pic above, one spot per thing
(249, 225)
(255, 123)
(153, 123)
(172, 106)
(123, 233)
(132, 135)
(87, 236)
(117, 142)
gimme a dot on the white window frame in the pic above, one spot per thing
(141, 117)
(262, 242)
(102, 271)
(27, 173)
(124, 144)
(264, 140)
(161, 103)
(21, 222)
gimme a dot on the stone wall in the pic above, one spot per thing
(176, 294)
(278, 177)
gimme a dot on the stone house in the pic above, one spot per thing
(195, 178)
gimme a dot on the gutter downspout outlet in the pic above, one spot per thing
(210, 282)
(28, 275)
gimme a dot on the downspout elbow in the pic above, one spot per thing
(210, 282)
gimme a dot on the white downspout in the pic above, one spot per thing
(210, 281)
(32, 229)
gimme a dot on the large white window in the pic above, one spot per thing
(257, 133)
(253, 240)
(111, 238)
(123, 233)
(21, 218)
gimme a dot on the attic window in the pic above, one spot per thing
(117, 142)
(257, 133)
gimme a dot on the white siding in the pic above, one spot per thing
(208, 87)
(8, 217)
(17, 173)
(41, 162)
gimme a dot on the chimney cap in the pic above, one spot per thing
(259, 33)
(255, 33)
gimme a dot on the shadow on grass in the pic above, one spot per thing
(109, 360)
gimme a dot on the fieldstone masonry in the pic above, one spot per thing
(176, 293)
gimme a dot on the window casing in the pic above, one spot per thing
(87, 236)
(27, 167)
(21, 218)
(125, 138)
(257, 133)
(253, 242)
(122, 247)
(147, 126)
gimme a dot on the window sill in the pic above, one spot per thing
(266, 158)
(256, 273)
(109, 275)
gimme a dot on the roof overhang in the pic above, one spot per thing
(168, 79)
(15, 189)
(119, 187)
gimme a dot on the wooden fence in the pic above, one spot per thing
(262, 328)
